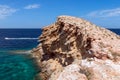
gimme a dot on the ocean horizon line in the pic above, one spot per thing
(42, 27)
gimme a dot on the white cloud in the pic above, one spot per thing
(32, 6)
(6, 11)
(105, 13)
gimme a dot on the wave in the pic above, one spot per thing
(6, 38)
(21, 51)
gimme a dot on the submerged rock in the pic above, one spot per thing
(75, 49)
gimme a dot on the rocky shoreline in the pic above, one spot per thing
(75, 49)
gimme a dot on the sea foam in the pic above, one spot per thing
(6, 38)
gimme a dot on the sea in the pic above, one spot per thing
(15, 60)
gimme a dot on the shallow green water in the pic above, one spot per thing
(16, 66)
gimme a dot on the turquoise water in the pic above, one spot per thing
(16, 67)
(15, 63)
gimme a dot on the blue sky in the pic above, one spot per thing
(39, 13)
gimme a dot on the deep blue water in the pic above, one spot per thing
(14, 66)
(117, 31)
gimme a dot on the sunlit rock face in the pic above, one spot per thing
(75, 49)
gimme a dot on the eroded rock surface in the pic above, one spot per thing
(75, 49)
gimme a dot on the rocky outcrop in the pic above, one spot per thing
(75, 49)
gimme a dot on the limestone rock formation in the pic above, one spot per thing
(75, 49)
